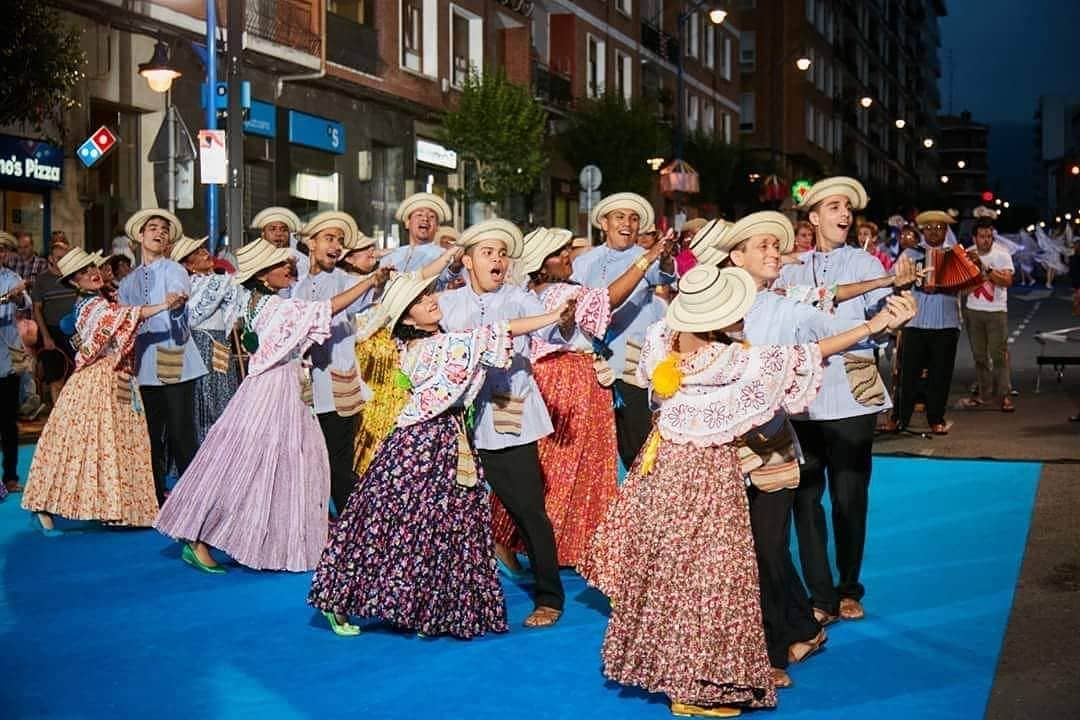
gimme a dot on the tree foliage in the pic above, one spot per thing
(40, 63)
(498, 128)
(618, 138)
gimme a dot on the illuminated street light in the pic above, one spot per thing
(866, 101)
(944, 178)
(803, 63)
(1075, 169)
(928, 143)
(961, 164)
(1005, 204)
(997, 201)
(900, 123)
(655, 163)
(716, 17)
(1042, 223)
(1068, 216)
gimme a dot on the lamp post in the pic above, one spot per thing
(159, 74)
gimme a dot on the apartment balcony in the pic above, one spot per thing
(352, 44)
(657, 41)
(292, 23)
(550, 87)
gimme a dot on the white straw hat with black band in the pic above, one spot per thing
(539, 244)
(416, 201)
(765, 222)
(848, 187)
(75, 260)
(706, 243)
(276, 214)
(133, 227)
(495, 229)
(711, 299)
(624, 201)
(257, 256)
(185, 246)
(333, 219)
(399, 293)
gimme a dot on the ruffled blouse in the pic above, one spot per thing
(727, 390)
(447, 370)
(592, 315)
(215, 302)
(286, 329)
(105, 330)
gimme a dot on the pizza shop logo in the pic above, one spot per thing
(29, 168)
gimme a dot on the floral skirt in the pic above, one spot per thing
(413, 547)
(676, 556)
(259, 486)
(578, 460)
(92, 461)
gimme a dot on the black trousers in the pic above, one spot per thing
(934, 350)
(514, 475)
(785, 606)
(633, 421)
(170, 418)
(340, 434)
(839, 450)
(9, 425)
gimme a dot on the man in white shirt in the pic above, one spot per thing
(986, 318)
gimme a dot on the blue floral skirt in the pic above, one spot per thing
(412, 547)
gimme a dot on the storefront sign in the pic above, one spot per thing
(30, 162)
(261, 120)
(316, 132)
(432, 153)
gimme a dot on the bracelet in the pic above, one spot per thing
(643, 263)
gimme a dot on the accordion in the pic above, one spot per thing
(951, 271)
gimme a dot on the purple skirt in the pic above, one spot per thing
(413, 547)
(258, 487)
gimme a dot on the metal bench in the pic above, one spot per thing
(1057, 362)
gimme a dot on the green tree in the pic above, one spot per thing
(498, 128)
(618, 138)
(717, 163)
(40, 62)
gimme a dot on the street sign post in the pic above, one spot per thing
(590, 179)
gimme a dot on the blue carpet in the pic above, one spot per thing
(109, 623)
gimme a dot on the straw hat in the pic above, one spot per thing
(711, 299)
(694, 225)
(276, 214)
(75, 260)
(580, 242)
(333, 219)
(850, 188)
(494, 229)
(135, 223)
(766, 222)
(416, 201)
(99, 258)
(185, 246)
(398, 294)
(362, 242)
(624, 201)
(706, 242)
(931, 217)
(256, 256)
(540, 243)
(7, 240)
(446, 231)
(647, 229)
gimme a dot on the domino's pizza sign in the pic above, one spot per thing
(96, 146)
(30, 163)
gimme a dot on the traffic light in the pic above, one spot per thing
(987, 196)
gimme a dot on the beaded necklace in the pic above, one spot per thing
(249, 338)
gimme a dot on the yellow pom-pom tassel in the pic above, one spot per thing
(666, 377)
(648, 456)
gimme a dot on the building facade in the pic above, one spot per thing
(865, 104)
(1056, 151)
(963, 152)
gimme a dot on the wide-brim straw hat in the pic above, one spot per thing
(931, 217)
(362, 242)
(135, 223)
(580, 242)
(711, 299)
(75, 260)
(7, 241)
(495, 229)
(692, 226)
(849, 187)
(99, 258)
(276, 214)
(333, 219)
(258, 255)
(185, 246)
(706, 243)
(766, 222)
(398, 294)
(539, 244)
(416, 201)
(446, 231)
(624, 201)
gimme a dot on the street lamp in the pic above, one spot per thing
(1005, 204)
(997, 201)
(159, 74)
(900, 123)
(961, 164)
(928, 143)
(716, 17)
(803, 63)
(866, 101)
(944, 178)
(655, 163)
(1042, 223)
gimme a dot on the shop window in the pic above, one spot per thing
(314, 183)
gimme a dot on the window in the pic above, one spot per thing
(693, 36)
(809, 122)
(595, 71)
(725, 126)
(725, 58)
(466, 44)
(418, 36)
(692, 104)
(709, 121)
(746, 112)
(710, 45)
(811, 10)
(838, 129)
(623, 6)
(624, 75)
(820, 136)
(748, 51)
(359, 11)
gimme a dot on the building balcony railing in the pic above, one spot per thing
(285, 22)
(551, 87)
(352, 44)
(657, 41)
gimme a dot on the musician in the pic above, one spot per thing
(930, 339)
(837, 433)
